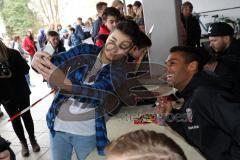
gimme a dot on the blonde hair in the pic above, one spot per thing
(3, 52)
(145, 145)
(115, 3)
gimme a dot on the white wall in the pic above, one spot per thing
(161, 13)
(206, 5)
(209, 5)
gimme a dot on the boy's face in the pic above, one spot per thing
(111, 22)
(117, 45)
(54, 40)
(135, 9)
(120, 8)
(79, 21)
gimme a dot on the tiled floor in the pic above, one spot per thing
(118, 125)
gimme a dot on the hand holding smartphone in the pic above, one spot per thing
(49, 49)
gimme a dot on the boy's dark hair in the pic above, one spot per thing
(137, 4)
(111, 11)
(72, 29)
(79, 18)
(191, 54)
(130, 28)
(52, 34)
(130, 5)
(187, 4)
(99, 5)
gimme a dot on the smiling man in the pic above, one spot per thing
(210, 115)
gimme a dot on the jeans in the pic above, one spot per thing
(62, 145)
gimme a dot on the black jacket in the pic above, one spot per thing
(228, 66)
(229, 59)
(209, 118)
(4, 145)
(15, 87)
(193, 30)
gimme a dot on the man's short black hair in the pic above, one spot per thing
(79, 18)
(191, 54)
(130, 5)
(52, 34)
(72, 29)
(111, 11)
(99, 5)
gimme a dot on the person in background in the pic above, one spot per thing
(138, 10)
(25, 55)
(110, 18)
(90, 21)
(29, 44)
(80, 21)
(144, 145)
(74, 40)
(78, 29)
(65, 39)
(118, 4)
(191, 25)
(87, 29)
(130, 11)
(100, 6)
(54, 39)
(59, 28)
(15, 95)
(42, 38)
(18, 47)
(51, 27)
(68, 27)
(226, 50)
(140, 23)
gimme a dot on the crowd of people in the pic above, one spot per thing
(83, 75)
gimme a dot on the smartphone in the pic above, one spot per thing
(49, 49)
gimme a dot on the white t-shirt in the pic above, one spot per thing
(84, 126)
(81, 115)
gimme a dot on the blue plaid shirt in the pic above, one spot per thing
(102, 82)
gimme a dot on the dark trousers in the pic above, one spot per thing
(17, 106)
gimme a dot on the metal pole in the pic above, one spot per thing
(219, 10)
(125, 7)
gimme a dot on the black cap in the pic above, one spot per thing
(220, 29)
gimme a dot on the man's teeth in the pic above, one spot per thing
(170, 75)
